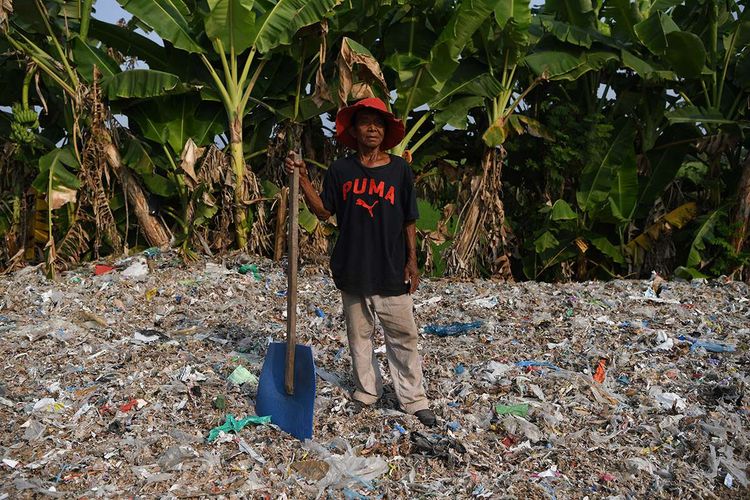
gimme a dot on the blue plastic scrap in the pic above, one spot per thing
(712, 346)
(339, 354)
(708, 346)
(545, 364)
(453, 329)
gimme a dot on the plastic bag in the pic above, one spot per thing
(346, 469)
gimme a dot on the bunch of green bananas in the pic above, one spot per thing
(25, 123)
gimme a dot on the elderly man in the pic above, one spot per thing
(374, 261)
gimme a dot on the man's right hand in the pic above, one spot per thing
(292, 161)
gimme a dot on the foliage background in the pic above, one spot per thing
(577, 139)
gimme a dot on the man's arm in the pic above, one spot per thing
(314, 202)
(411, 273)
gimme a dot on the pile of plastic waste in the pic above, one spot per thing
(138, 377)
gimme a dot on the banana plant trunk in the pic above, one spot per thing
(154, 231)
(742, 216)
(238, 166)
(482, 242)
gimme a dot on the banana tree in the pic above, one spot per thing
(611, 194)
(425, 48)
(699, 51)
(607, 183)
(69, 74)
(517, 56)
(295, 95)
(241, 35)
(713, 89)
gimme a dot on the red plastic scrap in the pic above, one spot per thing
(126, 407)
(100, 269)
(606, 477)
(509, 441)
(600, 372)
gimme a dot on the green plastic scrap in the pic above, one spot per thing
(252, 268)
(220, 402)
(241, 375)
(233, 425)
(152, 252)
(520, 410)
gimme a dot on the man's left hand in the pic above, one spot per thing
(411, 276)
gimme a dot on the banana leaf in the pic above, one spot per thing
(624, 193)
(597, 177)
(555, 63)
(169, 18)
(141, 83)
(55, 179)
(561, 210)
(653, 31)
(664, 160)
(131, 43)
(602, 244)
(625, 15)
(518, 10)
(696, 114)
(232, 22)
(173, 120)
(578, 12)
(282, 19)
(704, 235)
(87, 56)
(677, 218)
(686, 54)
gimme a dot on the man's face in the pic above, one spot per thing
(368, 128)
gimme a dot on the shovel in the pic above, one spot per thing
(286, 389)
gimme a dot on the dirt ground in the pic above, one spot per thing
(111, 383)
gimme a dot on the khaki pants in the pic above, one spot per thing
(396, 315)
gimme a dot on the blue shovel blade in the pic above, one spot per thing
(293, 414)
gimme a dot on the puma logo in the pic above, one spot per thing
(361, 186)
(361, 203)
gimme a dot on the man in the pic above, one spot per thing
(374, 261)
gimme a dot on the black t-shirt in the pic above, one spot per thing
(371, 205)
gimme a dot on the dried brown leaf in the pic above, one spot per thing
(322, 93)
(369, 72)
(6, 9)
(188, 158)
(61, 196)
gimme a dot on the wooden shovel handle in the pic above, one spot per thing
(291, 289)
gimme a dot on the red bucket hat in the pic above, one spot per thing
(394, 128)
